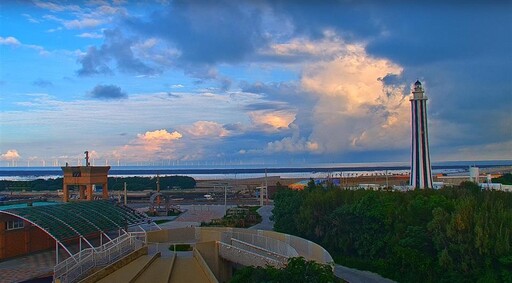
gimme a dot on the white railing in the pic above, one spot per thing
(79, 264)
(266, 243)
(258, 250)
(247, 258)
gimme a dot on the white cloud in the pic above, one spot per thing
(207, 129)
(9, 41)
(90, 35)
(158, 144)
(292, 145)
(329, 46)
(158, 136)
(82, 23)
(352, 111)
(271, 120)
(56, 7)
(12, 41)
(10, 155)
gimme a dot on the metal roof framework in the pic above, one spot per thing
(77, 220)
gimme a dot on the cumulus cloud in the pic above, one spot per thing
(158, 144)
(10, 155)
(107, 92)
(158, 137)
(271, 121)
(352, 111)
(207, 129)
(292, 145)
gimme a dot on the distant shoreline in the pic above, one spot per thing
(240, 172)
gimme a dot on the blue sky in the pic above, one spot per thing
(159, 82)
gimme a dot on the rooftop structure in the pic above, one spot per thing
(85, 178)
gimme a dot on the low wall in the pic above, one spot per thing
(104, 272)
(305, 248)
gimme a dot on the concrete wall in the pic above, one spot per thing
(221, 268)
(178, 235)
(104, 272)
(305, 248)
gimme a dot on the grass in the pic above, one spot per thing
(180, 247)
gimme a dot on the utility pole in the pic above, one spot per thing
(225, 196)
(125, 195)
(266, 186)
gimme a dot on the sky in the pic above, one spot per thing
(251, 82)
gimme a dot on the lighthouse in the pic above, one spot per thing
(421, 170)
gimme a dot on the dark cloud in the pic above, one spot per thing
(274, 105)
(115, 48)
(42, 83)
(172, 95)
(236, 127)
(443, 32)
(107, 92)
(288, 91)
(392, 80)
(207, 32)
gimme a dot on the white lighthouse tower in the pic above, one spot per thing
(421, 170)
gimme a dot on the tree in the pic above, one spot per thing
(297, 270)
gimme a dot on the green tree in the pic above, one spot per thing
(297, 270)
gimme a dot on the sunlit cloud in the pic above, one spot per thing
(10, 155)
(352, 110)
(157, 144)
(207, 129)
(270, 120)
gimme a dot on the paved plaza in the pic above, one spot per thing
(27, 267)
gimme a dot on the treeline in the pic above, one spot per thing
(297, 270)
(505, 179)
(457, 234)
(114, 183)
(149, 183)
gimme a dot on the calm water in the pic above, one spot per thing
(251, 171)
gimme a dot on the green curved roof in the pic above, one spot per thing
(73, 219)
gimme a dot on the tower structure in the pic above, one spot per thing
(84, 178)
(421, 170)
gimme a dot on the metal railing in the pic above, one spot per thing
(252, 249)
(77, 266)
(246, 257)
(270, 244)
(258, 250)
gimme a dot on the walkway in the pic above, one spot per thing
(186, 269)
(266, 223)
(27, 267)
(350, 275)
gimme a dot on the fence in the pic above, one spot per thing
(263, 242)
(77, 266)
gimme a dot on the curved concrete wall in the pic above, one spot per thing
(305, 248)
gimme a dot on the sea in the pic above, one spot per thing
(245, 171)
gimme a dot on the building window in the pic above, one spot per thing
(16, 224)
